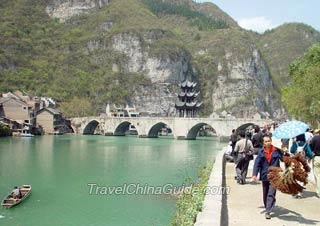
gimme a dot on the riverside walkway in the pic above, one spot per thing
(243, 204)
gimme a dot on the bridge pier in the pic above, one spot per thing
(224, 138)
(108, 134)
(143, 136)
(184, 138)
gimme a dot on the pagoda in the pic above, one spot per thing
(187, 106)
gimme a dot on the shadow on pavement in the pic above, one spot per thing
(309, 194)
(254, 183)
(289, 215)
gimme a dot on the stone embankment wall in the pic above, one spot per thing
(213, 204)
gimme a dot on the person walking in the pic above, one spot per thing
(257, 139)
(245, 150)
(315, 147)
(267, 156)
(233, 139)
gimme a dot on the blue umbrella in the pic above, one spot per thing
(290, 129)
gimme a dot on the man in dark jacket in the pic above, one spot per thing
(233, 139)
(257, 140)
(267, 156)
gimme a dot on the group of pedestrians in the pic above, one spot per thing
(260, 144)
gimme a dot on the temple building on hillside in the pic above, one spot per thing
(187, 106)
(121, 111)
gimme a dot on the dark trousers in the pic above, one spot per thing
(242, 165)
(269, 195)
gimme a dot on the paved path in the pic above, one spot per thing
(245, 205)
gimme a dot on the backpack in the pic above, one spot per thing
(300, 149)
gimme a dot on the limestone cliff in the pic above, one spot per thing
(164, 71)
(242, 85)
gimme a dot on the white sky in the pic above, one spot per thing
(259, 15)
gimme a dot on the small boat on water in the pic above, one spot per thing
(9, 201)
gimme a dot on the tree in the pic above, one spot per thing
(4, 130)
(77, 107)
(302, 95)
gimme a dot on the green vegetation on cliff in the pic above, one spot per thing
(196, 18)
(75, 60)
(284, 44)
(302, 96)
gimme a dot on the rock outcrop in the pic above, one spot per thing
(164, 72)
(65, 9)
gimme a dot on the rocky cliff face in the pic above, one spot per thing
(243, 88)
(160, 69)
(164, 72)
(65, 9)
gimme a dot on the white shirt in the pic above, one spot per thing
(308, 136)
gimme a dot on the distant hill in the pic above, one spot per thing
(136, 51)
(284, 44)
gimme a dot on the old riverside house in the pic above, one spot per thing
(19, 111)
(52, 121)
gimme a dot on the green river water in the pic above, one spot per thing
(61, 169)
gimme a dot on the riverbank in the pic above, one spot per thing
(191, 198)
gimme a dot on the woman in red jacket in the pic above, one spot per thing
(267, 156)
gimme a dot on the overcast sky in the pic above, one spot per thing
(259, 15)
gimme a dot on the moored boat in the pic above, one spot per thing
(10, 201)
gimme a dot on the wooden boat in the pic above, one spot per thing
(9, 201)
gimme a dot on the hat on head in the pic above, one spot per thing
(317, 131)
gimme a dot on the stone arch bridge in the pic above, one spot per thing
(182, 128)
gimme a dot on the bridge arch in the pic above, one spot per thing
(193, 132)
(155, 129)
(122, 128)
(90, 127)
(246, 126)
